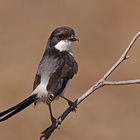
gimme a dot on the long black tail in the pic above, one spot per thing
(4, 115)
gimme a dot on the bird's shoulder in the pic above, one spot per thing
(64, 59)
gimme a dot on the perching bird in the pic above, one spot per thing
(55, 70)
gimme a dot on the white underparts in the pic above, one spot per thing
(65, 45)
(41, 90)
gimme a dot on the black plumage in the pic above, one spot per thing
(55, 69)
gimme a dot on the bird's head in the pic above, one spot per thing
(62, 38)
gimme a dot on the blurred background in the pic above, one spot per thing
(105, 29)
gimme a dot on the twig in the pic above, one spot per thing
(117, 83)
(100, 83)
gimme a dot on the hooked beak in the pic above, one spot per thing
(73, 38)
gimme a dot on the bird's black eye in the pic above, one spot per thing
(60, 36)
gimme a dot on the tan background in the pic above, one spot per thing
(105, 28)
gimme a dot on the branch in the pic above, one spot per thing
(118, 83)
(100, 83)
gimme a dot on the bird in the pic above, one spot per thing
(55, 70)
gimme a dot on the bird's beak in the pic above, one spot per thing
(73, 38)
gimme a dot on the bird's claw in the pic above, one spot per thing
(53, 120)
(72, 105)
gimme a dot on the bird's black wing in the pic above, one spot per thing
(58, 80)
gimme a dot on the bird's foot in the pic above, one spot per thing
(72, 105)
(53, 120)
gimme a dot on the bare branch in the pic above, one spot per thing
(117, 83)
(102, 82)
(123, 57)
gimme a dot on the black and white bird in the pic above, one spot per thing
(55, 70)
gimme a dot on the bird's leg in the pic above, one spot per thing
(53, 119)
(70, 103)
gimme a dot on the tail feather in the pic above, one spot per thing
(4, 115)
